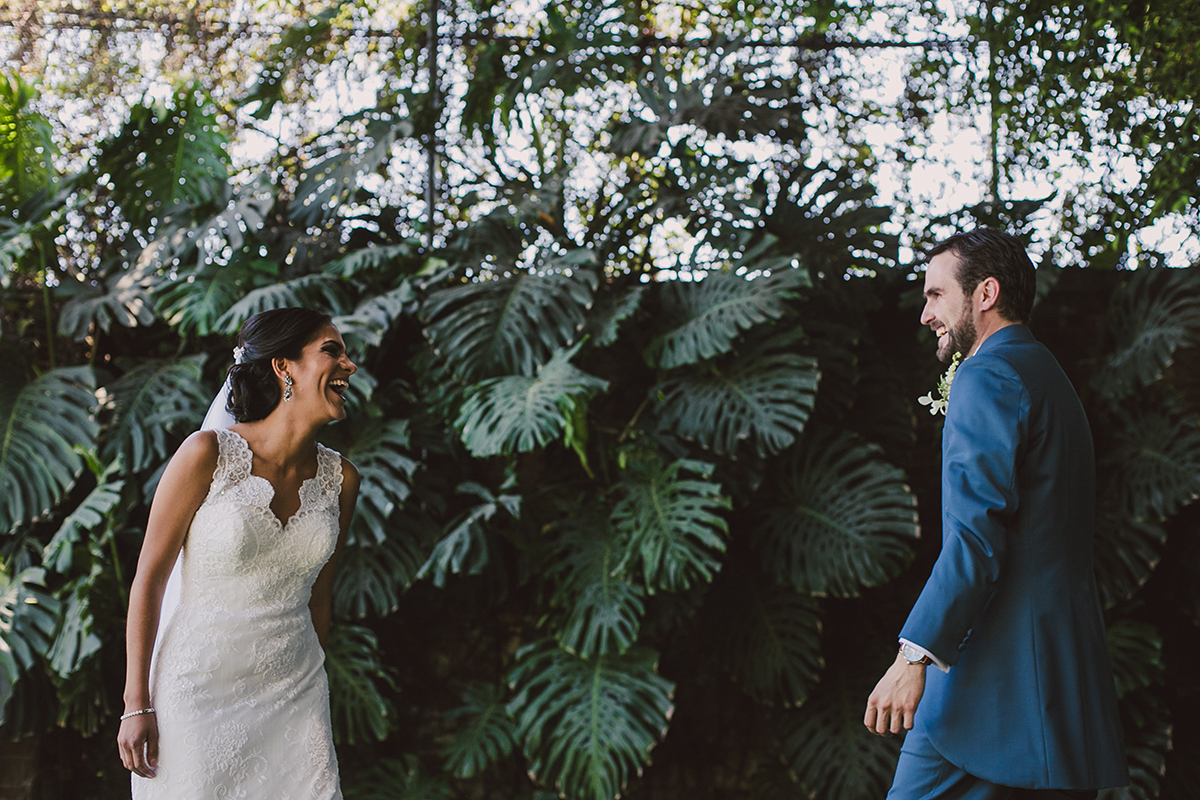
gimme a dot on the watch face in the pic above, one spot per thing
(912, 655)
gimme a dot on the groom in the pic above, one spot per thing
(1021, 698)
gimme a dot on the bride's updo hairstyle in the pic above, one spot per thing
(279, 333)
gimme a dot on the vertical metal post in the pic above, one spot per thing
(435, 115)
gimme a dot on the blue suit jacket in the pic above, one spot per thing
(1011, 603)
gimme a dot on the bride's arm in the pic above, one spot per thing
(182, 489)
(321, 603)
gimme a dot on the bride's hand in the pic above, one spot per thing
(137, 742)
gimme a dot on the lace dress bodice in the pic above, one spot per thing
(239, 682)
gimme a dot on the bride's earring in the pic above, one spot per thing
(288, 383)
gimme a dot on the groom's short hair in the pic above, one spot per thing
(988, 253)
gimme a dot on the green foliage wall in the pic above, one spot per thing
(623, 530)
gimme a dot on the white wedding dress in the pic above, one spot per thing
(239, 679)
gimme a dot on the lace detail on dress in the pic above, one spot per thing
(239, 684)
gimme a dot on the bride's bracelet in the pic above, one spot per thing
(137, 713)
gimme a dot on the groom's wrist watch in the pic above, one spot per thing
(913, 656)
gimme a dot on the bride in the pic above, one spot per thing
(234, 700)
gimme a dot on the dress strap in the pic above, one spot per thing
(234, 459)
(329, 472)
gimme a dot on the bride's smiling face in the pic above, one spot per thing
(322, 375)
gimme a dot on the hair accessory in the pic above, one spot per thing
(288, 384)
(239, 354)
(137, 713)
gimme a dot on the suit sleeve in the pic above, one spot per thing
(982, 444)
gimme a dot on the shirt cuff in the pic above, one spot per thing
(937, 662)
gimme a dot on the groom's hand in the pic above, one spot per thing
(892, 705)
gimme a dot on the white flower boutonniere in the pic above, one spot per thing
(939, 405)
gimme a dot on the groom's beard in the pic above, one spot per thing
(959, 339)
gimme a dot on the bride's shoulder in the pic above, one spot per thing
(201, 450)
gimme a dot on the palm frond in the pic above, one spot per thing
(827, 747)
(770, 637)
(1157, 457)
(842, 519)
(507, 326)
(151, 404)
(317, 290)
(587, 726)
(517, 414)
(464, 549)
(602, 609)
(395, 779)
(484, 731)
(40, 425)
(360, 711)
(707, 316)
(764, 395)
(28, 619)
(1156, 313)
(674, 531)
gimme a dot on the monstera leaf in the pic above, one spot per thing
(507, 326)
(319, 291)
(706, 316)
(1127, 549)
(1157, 457)
(43, 422)
(464, 548)
(373, 318)
(1157, 312)
(827, 747)
(764, 395)
(485, 733)
(371, 576)
(27, 148)
(166, 157)
(197, 299)
(769, 635)
(587, 726)
(89, 514)
(329, 183)
(613, 308)
(841, 519)
(28, 619)
(360, 711)
(602, 608)
(1136, 650)
(395, 779)
(149, 403)
(517, 414)
(674, 532)
(385, 466)
(122, 296)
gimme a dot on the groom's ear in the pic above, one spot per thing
(988, 293)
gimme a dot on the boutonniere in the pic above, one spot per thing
(939, 405)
